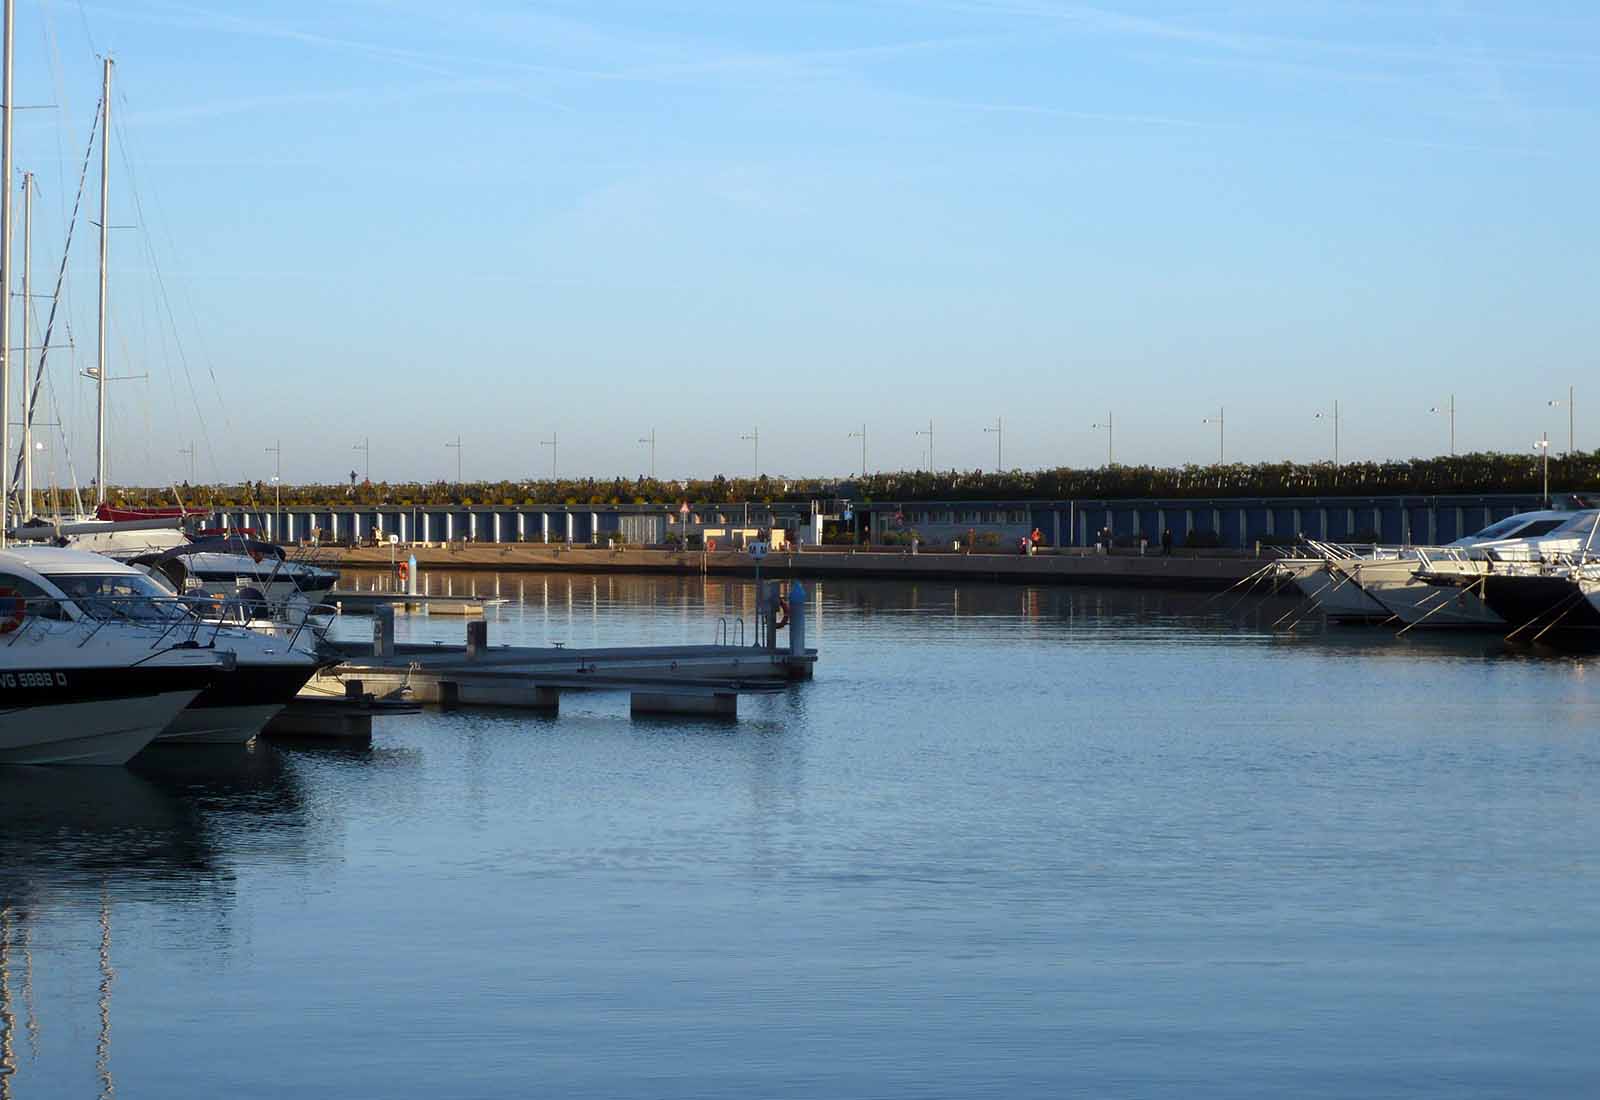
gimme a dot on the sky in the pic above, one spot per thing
(586, 221)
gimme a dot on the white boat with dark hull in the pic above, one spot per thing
(76, 690)
(225, 568)
(265, 671)
(257, 574)
(1392, 578)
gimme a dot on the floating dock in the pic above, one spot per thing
(352, 602)
(675, 679)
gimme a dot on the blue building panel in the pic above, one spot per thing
(1232, 532)
(1389, 523)
(1418, 515)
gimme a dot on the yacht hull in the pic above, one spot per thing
(238, 704)
(219, 725)
(1336, 595)
(105, 732)
(1554, 603)
(1396, 586)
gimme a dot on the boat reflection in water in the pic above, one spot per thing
(84, 843)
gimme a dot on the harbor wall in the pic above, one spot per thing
(1229, 522)
(1206, 571)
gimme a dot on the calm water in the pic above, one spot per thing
(1011, 842)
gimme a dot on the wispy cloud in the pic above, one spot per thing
(366, 97)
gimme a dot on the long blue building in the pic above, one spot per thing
(1235, 522)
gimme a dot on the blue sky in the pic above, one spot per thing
(507, 220)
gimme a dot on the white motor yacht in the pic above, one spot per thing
(266, 669)
(1399, 583)
(1384, 583)
(76, 689)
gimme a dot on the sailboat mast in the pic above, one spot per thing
(105, 244)
(25, 510)
(5, 281)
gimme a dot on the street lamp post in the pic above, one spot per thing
(755, 438)
(1109, 427)
(651, 439)
(862, 435)
(1324, 416)
(1448, 410)
(1543, 445)
(1221, 427)
(189, 451)
(276, 450)
(1556, 405)
(929, 434)
(999, 433)
(554, 443)
(365, 446)
(456, 446)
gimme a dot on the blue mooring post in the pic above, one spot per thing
(797, 619)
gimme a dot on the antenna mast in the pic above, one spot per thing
(5, 278)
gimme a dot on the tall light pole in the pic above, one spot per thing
(1324, 416)
(651, 439)
(1109, 427)
(1221, 427)
(366, 446)
(457, 447)
(1543, 445)
(276, 450)
(929, 434)
(755, 438)
(189, 450)
(1448, 410)
(1557, 405)
(999, 433)
(861, 435)
(554, 443)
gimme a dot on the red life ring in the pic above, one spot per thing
(711, 544)
(782, 619)
(402, 571)
(12, 609)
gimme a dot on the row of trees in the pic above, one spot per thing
(1474, 473)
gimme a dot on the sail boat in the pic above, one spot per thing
(216, 568)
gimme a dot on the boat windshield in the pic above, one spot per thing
(1498, 530)
(119, 596)
(1581, 524)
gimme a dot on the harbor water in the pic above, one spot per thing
(1011, 842)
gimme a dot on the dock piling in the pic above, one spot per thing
(383, 631)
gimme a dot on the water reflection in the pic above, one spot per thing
(619, 609)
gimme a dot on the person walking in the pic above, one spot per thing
(1166, 542)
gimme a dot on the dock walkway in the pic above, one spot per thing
(682, 679)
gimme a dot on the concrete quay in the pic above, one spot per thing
(1202, 570)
